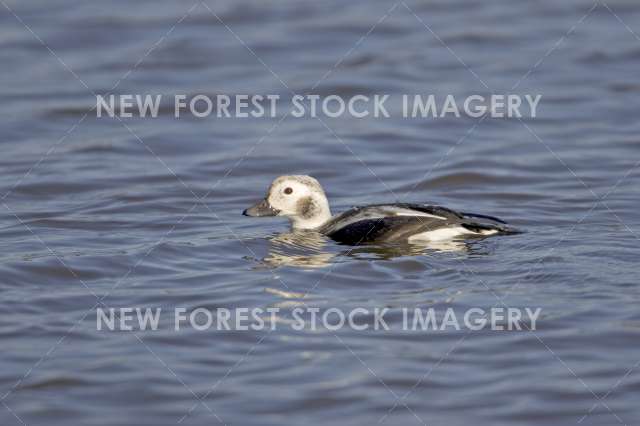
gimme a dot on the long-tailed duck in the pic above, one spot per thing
(302, 200)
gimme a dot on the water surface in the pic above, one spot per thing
(146, 212)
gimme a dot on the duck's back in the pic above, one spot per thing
(405, 221)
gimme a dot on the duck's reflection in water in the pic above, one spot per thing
(392, 251)
(302, 248)
(309, 249)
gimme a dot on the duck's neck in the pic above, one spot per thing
(313, 212)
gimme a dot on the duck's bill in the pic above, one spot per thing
(263, 208)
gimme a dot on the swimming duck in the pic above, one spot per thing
(301, 199)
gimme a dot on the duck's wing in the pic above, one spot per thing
(388, 222)
(401, 221)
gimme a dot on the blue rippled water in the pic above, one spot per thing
(146, 213)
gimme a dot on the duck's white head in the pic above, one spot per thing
(298, 197)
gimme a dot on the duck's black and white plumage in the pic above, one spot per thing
(408, 222)
(302, 200)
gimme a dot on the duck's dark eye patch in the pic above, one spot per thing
(288, 191)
